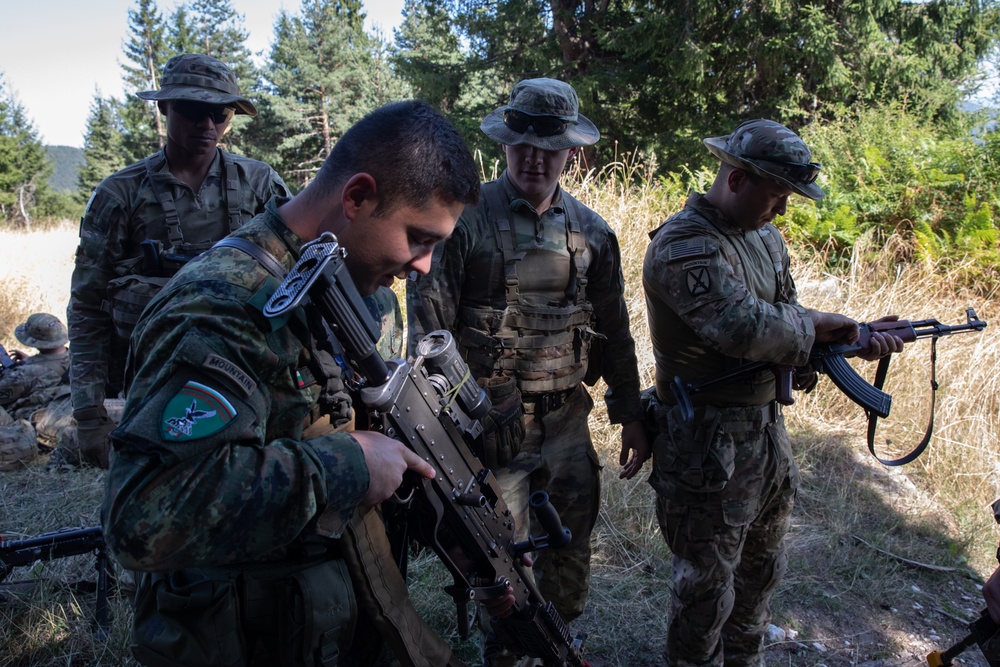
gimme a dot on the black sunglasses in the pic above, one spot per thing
(198, 110)
(544, 126)
(803, 173)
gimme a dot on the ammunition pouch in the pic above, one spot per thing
(503, 426)
(696, 457)
(128, 296)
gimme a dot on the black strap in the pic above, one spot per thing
(266, 259)
(880, 374)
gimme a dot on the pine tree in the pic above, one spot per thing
(24, 166)
(102, 146)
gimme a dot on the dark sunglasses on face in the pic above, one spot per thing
(544, 126)
(803, 173)
(198, 110)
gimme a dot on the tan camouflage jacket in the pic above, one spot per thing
(467, 272)
(33, 384)
(122, 212)
(717, 295)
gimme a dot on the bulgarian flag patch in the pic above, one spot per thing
(196, 411)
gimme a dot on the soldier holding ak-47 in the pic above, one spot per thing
(719, 291)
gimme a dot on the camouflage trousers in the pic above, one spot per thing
(558, 457)
(726, 537)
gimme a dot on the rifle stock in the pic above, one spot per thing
(433, 406)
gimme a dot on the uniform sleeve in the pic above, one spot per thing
(690, 273)
(208, 467)
(619, 367)
(103, 235)
(432, 300)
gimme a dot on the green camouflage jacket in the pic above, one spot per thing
(33, 384)
(209, 465)
(122, 212)
(716, 295)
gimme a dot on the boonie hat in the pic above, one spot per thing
(200, 78)
(772, 151)
(42, 331)
(549, 101)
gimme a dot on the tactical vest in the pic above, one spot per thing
(544, 347)
(129, 294)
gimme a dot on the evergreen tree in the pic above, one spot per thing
(102, 146)
(324, 74)
(24, 166)
(146, 52)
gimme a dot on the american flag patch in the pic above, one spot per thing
(687, 248)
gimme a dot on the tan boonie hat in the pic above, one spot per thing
(547, 102)
(772, 151)
(200, 78)
(42, 331)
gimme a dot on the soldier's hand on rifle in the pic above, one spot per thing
(19, 355)
(881, 344)
(387, 460)
(834, 328)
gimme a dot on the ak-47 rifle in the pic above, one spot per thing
(831, 359)
(434, 406)
(60, 544)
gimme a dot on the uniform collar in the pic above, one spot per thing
(518, 202)
(710, 212)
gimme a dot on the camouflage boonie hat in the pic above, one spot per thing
(200, 78)
(542, 98)
(42, 331)
(772, 151)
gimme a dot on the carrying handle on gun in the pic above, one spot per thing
(880, 375)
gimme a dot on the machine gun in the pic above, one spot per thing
(831, 359)
(60, 544)
(434, 407)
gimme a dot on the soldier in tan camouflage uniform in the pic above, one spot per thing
(30, 386)
(145, 221)
(530, 283)
(719, 291)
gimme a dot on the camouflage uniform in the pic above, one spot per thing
(725, 484)
(219, 397)
(145, 201)
(466, 293)
(29, 389)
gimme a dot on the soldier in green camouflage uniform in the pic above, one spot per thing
(29, 387)
(216, 490)
(144, 221)
(529, 283)
(718, 292)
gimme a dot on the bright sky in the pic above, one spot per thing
(56, 54)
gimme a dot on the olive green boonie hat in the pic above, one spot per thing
(772, 151)
(42, 331)
(200, 78)
(544, 113)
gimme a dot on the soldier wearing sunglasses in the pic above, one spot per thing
(143, 223)
(531, 284)
(718, 291)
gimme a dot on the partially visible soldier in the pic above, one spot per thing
(30, 385)
(144, 222)
(529, 281)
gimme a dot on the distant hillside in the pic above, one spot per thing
(67, 161)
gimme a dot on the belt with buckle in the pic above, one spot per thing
(542, 404)
(770, 413)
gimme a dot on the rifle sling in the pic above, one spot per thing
(880, 375)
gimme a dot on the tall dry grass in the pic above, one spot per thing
(935, 507)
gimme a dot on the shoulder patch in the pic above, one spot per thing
(231, 371)
(686, 248)
(196, 411)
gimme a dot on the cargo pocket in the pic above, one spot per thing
(186, 619)
(320, 613)
(698, 457)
